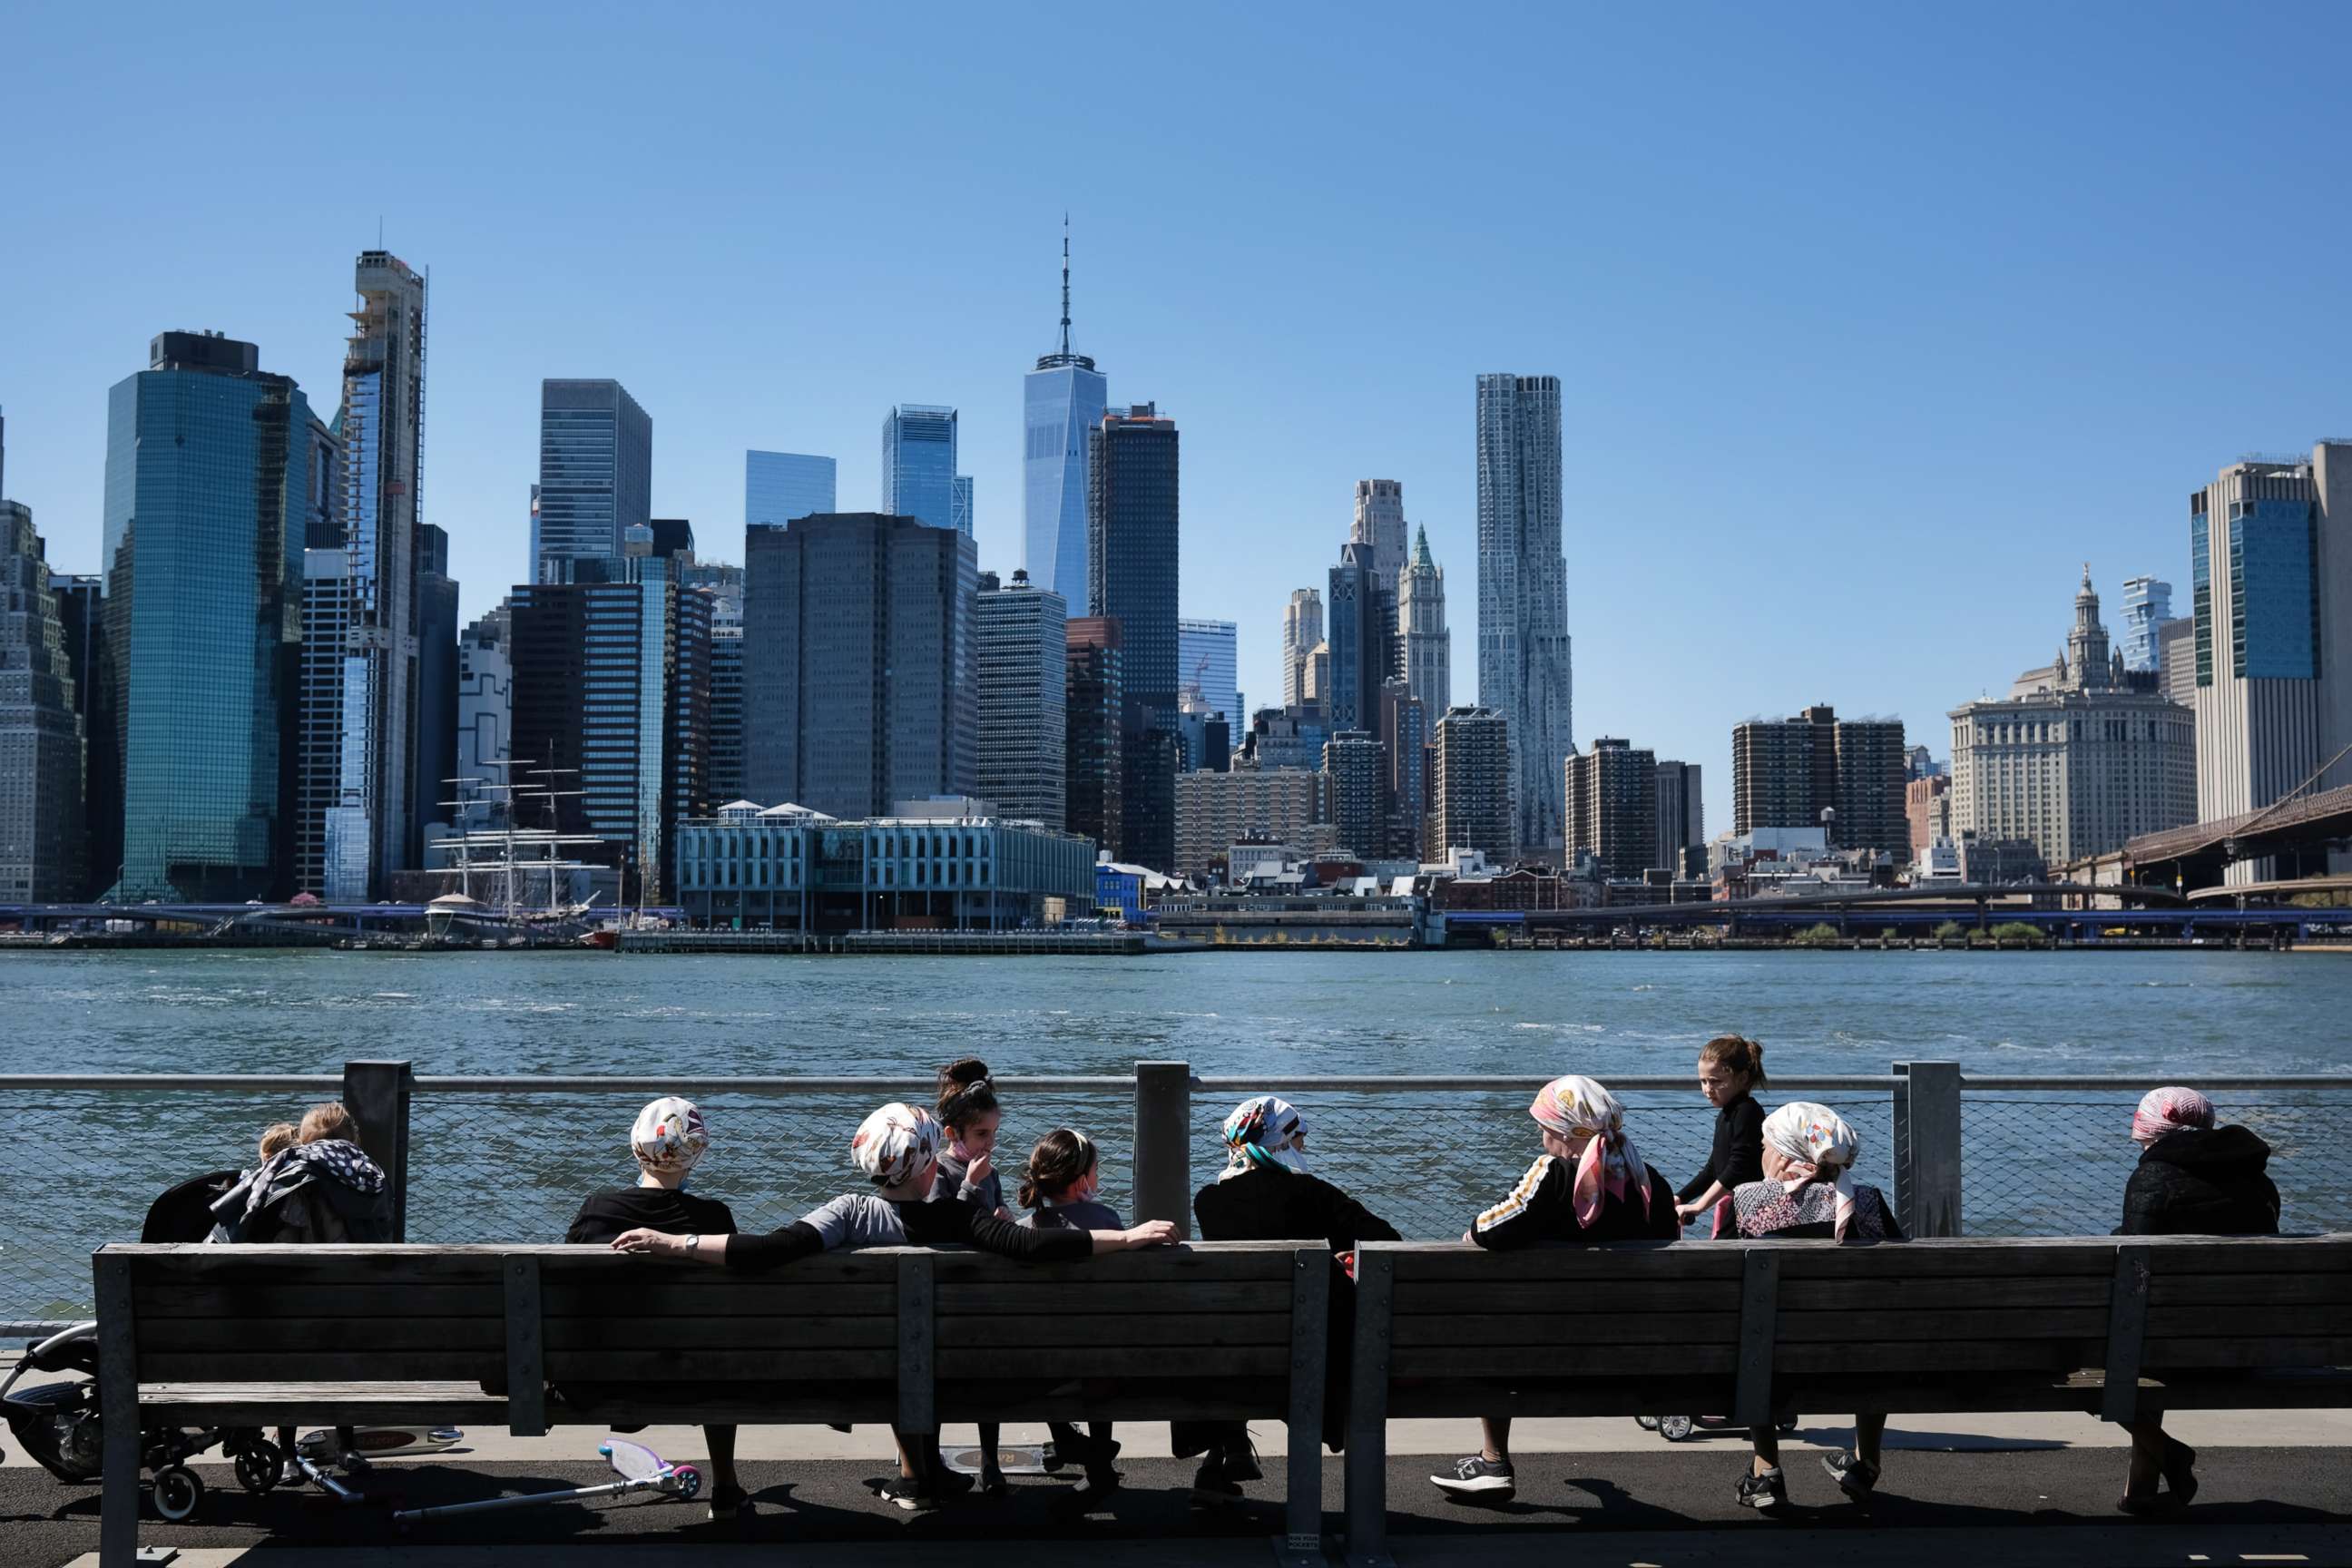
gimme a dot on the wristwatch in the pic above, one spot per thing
(692, 1242)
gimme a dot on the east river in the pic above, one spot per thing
(81, 1164)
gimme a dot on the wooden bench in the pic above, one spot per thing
(2113, 1327)
(263, 1336)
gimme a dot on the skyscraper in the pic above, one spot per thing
(1206, 657)
(1357, 633)
(1472, 790)
(595, 472)
(2271, 583)
(1403, 734)
(1789, 773)
(1062, 403)
(781, 486)
(857, 662)
(725, 696)
(1682, 814)
(1427, 661)
(208, 486)
(485, 717)
(598, 699)
(1094, 751)
(437, 688)
(326, 602)
(81, 616)
(1132, 556)
(372, 826)
(1355, 789)
(1380, 523)
(1523, 641)
(41, 837)
(918, 464)
(1302, 629)
(2147, 605)
(1612, 796)
(1022, 655)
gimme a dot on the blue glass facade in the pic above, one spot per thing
(918, 464)
(207, 484)
(1061, 403)
(2147, 605)
(2201, 588)
(781, 486)
(2273, 598)
(595, 473)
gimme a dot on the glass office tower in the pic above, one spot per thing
(918, 464)
(1062, 403)
(781, 486)
(207, 484)
(595, 473)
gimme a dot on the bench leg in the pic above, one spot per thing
(118, 1410)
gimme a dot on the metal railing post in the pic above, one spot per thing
(1163, 1143)
(377, 1094)
(1927, 1148)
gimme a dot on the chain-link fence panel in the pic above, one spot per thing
(1429, 1161)
(2055, 1163)
(80, 1167)
(514, 1165)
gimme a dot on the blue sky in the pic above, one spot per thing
(1874, 323)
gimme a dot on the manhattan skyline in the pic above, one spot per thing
(1860, 358)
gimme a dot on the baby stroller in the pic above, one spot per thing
(58, 1423)
(1674, 1428)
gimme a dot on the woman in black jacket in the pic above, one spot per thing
(2194, 1179)
(1730, 1071)
(1266, 1195)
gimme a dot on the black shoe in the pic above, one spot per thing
(728, 1503)
(907, 1494)
(950, 1484)
(2180, 1470)
(1479, 1479)
(1241, 1463)
(1767, 1493)
(1854, 1478)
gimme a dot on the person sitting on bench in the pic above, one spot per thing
(898, 1148)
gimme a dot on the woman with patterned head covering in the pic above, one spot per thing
(897, 1148)
(1266, 1193)
(1809, 1192)
(2194, 1179)
(1589, 1184)
(668, 1139)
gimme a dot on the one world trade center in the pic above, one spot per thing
(1062, 400)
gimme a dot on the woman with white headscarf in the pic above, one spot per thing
(898, 1149)
(1589, 1184)
(1809, 1191)
(1266, 1193)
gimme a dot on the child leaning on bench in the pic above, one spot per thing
(1058, 1188)
(970, 1117)
(898, 1148)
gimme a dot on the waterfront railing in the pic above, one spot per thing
(509, 1158)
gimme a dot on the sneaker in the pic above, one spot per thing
(1480, 1478)
(1764, 1493)
(1241, 1464)
(901, 1492)
(728, 1503)
(1854, 1478)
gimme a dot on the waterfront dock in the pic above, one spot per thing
(992, 943)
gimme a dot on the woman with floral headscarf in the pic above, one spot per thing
(668, 1139)
(1589, 1184)
(2194, 1179)
(898, 1148)
(1809, 1192)
(1266, 1193)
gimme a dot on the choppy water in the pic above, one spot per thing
(2181, 1014)
(513, 1166)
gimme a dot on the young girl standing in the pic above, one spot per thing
(1730, 1071)
(1059, 1187)
(970, 1116)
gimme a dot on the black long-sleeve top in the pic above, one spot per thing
(1273, 1202)
(865, 1219)
(1738, 1153)
(1542, 1207)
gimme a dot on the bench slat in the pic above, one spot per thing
(1447, 1298)
(715, 1293)
(1056, 1362)
(1640, 1261)
(1147, 1335)
(1912, 1295)
(322, 1366)
(715, 1334)
(1553, 1331)
(778, 1363)
(1927, 1357)
(2236, 1288)
(1902, 1324)
(168, 1335)
(1021, 1299)
(2323, 1352)
(263, 1300)
(1904, 1260)
(1265, 1263)
(1521, 1362)
(2288, 1320)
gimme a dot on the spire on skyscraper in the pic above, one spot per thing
(1063, 356)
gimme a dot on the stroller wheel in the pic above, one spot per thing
(258, 1466)
(1674, 1429)
(1646, 1423)
(178, 1492)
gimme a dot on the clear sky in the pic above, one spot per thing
(1874, 323)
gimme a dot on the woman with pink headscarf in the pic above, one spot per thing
(1589, 1184)
(2194, 1179)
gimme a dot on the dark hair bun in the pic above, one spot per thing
(961, 1071)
